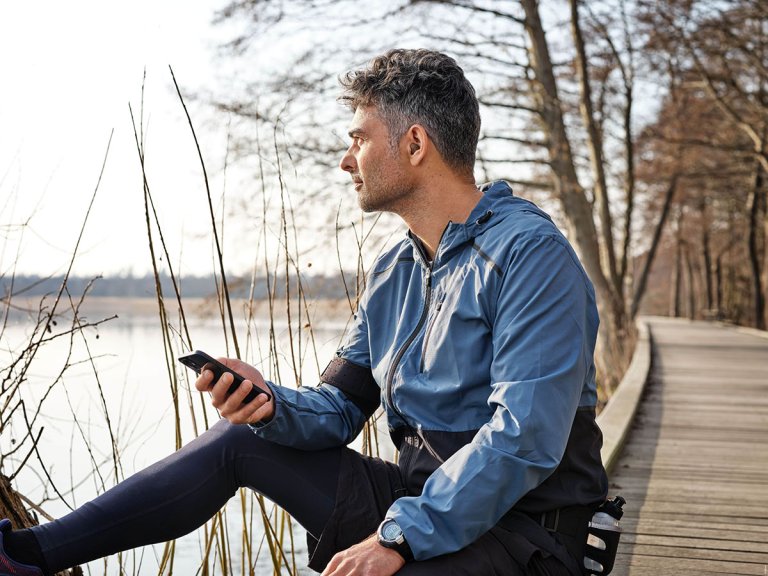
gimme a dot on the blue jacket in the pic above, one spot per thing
(483, 361)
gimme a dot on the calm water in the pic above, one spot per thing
(129, 366)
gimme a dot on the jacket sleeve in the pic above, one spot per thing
(543, 335)
(333, 413)
(311, 418)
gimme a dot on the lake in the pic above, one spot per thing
(121, 364)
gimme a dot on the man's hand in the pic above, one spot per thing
(231, 407)
(368, 558)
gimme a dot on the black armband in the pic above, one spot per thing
(356, 382)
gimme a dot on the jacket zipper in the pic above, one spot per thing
(429, 331)
(409, 341)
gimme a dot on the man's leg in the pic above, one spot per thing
(178, 494)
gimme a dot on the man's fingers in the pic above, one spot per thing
(236, 412)
(331, 567)
(204, 381)
(231, 406)
(219, 390)
(257, 416)
(235, 400)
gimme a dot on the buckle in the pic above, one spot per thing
(550, 520)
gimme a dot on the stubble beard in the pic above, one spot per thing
(384, 196)
(389, 199)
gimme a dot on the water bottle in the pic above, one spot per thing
(603, 537)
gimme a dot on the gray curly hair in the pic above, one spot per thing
(420, 87)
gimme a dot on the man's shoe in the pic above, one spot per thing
(10, 567)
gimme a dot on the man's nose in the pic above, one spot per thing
(347, 162)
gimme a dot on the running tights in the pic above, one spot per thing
(180, 493)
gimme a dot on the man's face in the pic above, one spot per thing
(378, 171)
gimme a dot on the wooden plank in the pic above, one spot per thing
(640, 563)
(714, 530)
(700, 554)
(696, 539)
(695, 468)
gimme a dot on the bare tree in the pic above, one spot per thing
(560, 121)
(694, 140)
(722, 48)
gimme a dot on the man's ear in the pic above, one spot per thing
(417, 144)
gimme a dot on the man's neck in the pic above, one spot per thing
(438, 205)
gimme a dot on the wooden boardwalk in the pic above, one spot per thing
(695, 467)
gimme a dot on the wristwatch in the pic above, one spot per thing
(391, 536)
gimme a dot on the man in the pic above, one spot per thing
(476, 333)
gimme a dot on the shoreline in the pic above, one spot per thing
(202, 308)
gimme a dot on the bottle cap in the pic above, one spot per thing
(614, 507)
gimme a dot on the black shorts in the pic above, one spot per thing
(367, 488)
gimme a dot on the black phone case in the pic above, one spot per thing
(198, 360)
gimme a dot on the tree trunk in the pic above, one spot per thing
(754, 207)
(13, 508)
(706, 254)
(629, 198)
(719, 285)
(765, 242)
(615, 332)
(595, 145)
(677, 278)
(691, 285)
(642, 281)
(677, 283)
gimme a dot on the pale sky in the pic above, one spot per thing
(68, 73)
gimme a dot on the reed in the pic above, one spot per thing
(55, 318)
(265, 530)
(250, 532)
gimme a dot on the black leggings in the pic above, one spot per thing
(181, 492)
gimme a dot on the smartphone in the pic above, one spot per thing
(198, 360)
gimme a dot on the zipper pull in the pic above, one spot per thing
(485, 217)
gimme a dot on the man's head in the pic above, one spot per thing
(423, 87)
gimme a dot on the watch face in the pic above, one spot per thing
(390, 531)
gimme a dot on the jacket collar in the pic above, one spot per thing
(456, 234)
